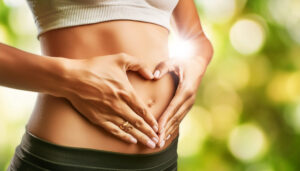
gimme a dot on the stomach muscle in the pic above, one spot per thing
(54, 119)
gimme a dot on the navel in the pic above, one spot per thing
(150, 102)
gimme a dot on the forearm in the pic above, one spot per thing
(187, 26)
(27, 71)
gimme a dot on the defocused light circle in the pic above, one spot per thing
(295, 119)
(247, 36)
(247, 142)
(16, 104)
(284, 87)
(286, 13)
(293, 29)
(219, 92)
(13, 3)
(3, 37)
(224, 118)
(236, 72)
(218, 10)
(21, 21)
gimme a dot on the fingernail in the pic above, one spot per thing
(155, 139)
(151, 144)
(168, 137)
(151, 76)
(156, 73)
(162, 143)
(155, 128)
(133, 140)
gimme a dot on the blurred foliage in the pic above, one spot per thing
(247, 112)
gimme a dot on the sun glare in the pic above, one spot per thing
(180, 48)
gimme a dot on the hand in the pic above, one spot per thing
(100, 90)
(190, 72)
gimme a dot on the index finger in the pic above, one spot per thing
(178, 100)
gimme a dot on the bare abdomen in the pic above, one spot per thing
(55, 120)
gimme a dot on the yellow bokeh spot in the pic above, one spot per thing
(219, 92)
(284, 87)
(193, 131)
(260, 71)
(224, 118)
(236, 72)
(3, 34)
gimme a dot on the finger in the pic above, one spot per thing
(128, 114)
(171, 133)
(179, 115)
(135, 102)
(135, 64)
(176, 123)
(175, 100)
(136, 133)
(165, 135)
(161, 140)
(175, 126)
(118, 132)
(178, 99)
(163, 68)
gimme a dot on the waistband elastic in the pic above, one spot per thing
(54, 156)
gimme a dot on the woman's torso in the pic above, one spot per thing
(55, 120)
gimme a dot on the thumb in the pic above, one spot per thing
(136, 65)
(162, 68)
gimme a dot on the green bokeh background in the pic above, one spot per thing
(247, 112)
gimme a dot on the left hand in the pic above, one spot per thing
(190, 72)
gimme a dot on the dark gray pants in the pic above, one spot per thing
(34, 154)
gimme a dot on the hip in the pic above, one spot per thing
(34, 153)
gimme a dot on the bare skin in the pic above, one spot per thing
(56, 120)
(72, 107)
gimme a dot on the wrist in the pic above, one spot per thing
(202, 61)
(60, 76)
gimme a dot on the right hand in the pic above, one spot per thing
(99, 89)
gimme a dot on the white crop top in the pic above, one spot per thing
(53, 14)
